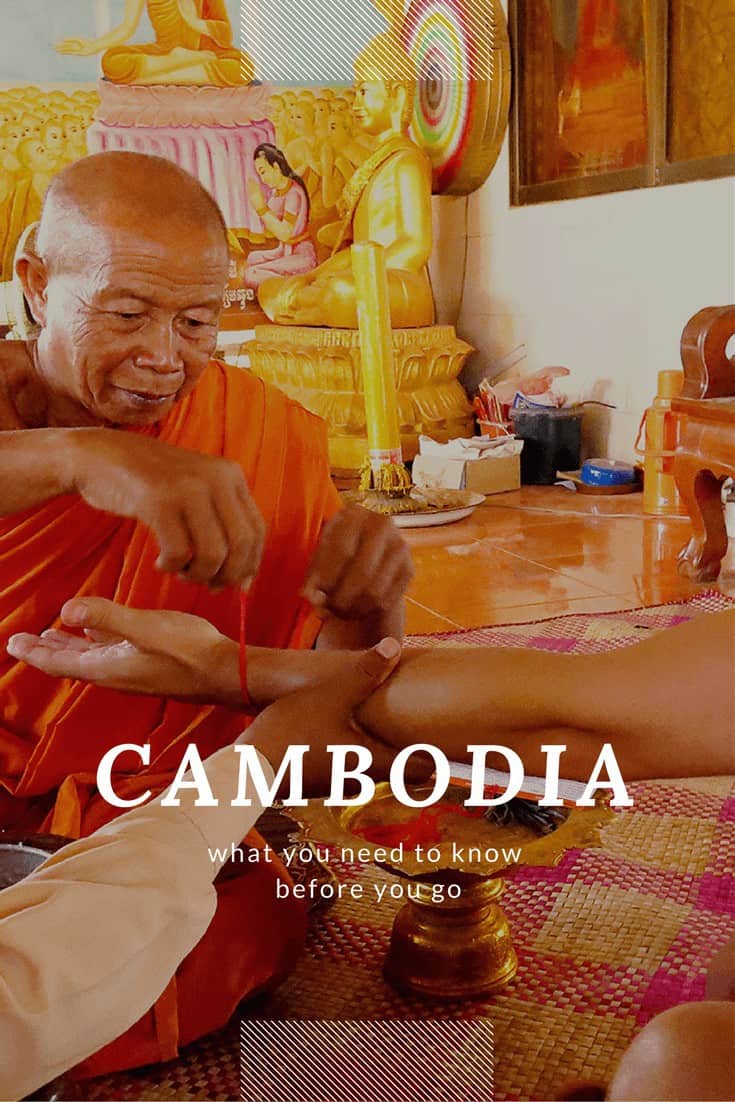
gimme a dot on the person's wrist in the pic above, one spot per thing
(222, 663)
(72, 461)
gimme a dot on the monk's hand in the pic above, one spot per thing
(157, 653)
(322, 716)
(199, 508)
(361, 566)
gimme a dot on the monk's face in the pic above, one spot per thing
(129, 329)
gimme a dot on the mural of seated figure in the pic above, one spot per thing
(193, 46)
(285, 216)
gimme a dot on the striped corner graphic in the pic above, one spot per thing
(356, 1061)
(315, 42)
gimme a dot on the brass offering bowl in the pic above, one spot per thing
(451, 940)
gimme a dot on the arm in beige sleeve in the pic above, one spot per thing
(89, 941)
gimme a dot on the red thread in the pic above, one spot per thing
(246, 701)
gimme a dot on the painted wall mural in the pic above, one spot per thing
(168, 77)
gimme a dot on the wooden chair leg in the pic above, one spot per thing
(700, 491)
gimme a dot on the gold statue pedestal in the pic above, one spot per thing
(322, 369)
(453, 949)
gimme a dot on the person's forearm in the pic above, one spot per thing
(124, 936)
(668, 702)
(667, 705)
(452, 697)
(271, 674)
(35, 466)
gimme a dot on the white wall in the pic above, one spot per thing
(603, 285)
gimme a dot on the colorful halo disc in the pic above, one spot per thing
(460, 114)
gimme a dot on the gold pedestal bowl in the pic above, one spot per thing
(452, 939)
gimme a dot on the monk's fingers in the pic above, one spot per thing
(172, 534)
(394, 576)
(207, 538)
(356, 576)
(338, 544)
(375, 580)
(244, 530)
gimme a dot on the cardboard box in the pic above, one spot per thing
(484, 476)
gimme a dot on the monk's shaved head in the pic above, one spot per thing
(122, 191)
(126, 279)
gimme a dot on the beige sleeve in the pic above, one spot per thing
(89, 941)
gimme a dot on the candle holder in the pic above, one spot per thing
(385, 484)
(417, 506)
(451, 940)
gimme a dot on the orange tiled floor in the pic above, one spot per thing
(543, 551)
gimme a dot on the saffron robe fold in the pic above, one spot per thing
(53, 732)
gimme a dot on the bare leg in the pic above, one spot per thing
(667, 705)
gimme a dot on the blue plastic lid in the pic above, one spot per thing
(607, 472)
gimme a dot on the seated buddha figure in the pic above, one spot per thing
(193, 46)
(387, 200)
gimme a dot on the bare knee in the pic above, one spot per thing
(684, 1054)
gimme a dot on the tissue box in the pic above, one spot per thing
(484, 476)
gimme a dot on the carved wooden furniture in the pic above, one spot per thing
(706, 452)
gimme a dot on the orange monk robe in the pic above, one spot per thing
(53, 732)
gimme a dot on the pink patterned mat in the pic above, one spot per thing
(606, 940)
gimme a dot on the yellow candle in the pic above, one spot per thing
(376, 343)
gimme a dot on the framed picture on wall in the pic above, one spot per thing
(582, 118)
(696, 54)
(615, 94)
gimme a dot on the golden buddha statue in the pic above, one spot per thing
(193, 46)
(387, 201)
(380, 183)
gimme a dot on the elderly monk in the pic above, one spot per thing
(135, 467)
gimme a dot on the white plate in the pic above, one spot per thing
(429, 520)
